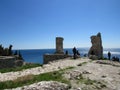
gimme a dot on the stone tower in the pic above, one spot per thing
(97, 48)
(59, 45)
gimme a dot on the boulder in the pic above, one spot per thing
(96, 48)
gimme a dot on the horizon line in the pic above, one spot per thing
(63, 48)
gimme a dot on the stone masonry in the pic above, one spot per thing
(97, 48)
(10, 62)
(53, 57)
(59, 45)
(59, 54)
(7, 62)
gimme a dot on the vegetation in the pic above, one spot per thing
(30, 79)
(9, 52)
(50, 76)
(5, 51)
(27, 66)
(18, 55)
(87, 81)
(80, 64)
(67, 68)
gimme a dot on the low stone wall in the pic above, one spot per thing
(7, 61)
(52, 57)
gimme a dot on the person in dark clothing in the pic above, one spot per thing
(74, 52)
(78, 53)
(115, 59)
(109, 55)
(66, 52)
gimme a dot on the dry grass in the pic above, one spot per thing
(24, 78)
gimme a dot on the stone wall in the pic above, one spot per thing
(59, 54)
(10, 62)
(53, 57)
(7, 62)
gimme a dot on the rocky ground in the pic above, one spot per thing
(86, 75)
(52, 66)
(99, 75)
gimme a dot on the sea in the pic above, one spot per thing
(36, 55)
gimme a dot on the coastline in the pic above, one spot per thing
(36, 55)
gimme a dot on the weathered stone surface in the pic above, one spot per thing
(59, 54)
(19, 63)
(53, 57)
(9, 62)
(98, 76)
(59, 45)
(52, 66)
(97, 48)
(93, 57)
(107, 62)
(45, 85)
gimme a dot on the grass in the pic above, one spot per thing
(30, 79)
(27, 66)
(87, 81)
(70, 67)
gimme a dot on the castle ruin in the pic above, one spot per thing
(96, 48)
(59, 53)
(59, 45)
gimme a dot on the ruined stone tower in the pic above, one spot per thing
(59, 45)
(97, 48)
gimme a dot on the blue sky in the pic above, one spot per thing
(34, 24)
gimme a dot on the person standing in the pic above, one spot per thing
(74, 52)
(109, 55)
(78, 53)
(66, 53)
